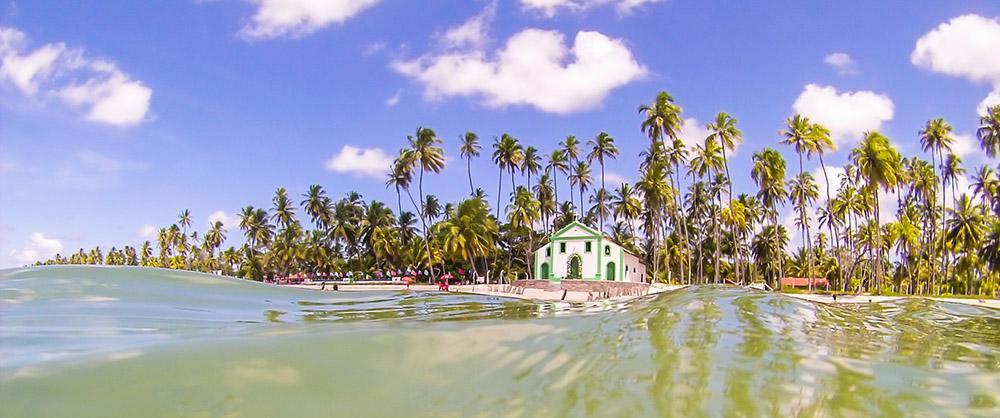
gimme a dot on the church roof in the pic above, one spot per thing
(592, 233)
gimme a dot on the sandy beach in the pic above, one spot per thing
(582, 297)
(852, 299)
(494, 290)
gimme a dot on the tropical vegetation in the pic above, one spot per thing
(681, 214)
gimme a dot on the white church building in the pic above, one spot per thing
(580, 252)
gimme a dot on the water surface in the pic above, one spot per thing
(110, 342)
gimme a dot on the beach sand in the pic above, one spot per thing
(494, 290)
(583, 297)
(852, 299)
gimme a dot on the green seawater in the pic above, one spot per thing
(130, 342)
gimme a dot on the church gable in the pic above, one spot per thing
(575, 230)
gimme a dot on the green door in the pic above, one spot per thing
(610, 272)
(575, 266)
(543, 272)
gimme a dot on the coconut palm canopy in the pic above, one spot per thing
(279, 136)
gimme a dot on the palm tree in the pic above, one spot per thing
(522, 213)
(724, 130)
(401, 176)
(798, 133)
(581, 179)
(184, 220)
(803, 192)
(966, 228)
(214, 237)
(626, 206)
(707, 162)
(819, 143)
(284, 214)
(432, 208)
(507, 155)
(602, 147)
(470, 233)
(571, 149)
(469, 148)
(656, 194)
(546, 200)
(769, 174)
(662, 118)
(557, 163)
(317, 206)
(935, 138)
(531, 164)
(428, 156)
(989, 131)
(880, 166)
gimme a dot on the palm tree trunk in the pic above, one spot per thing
(499, 192)
(468, 167)
(423, 222)
(736, 241)
(832, 224)
(600, 227)
(718, 238)
(682, 219)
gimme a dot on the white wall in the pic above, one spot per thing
(633, 269)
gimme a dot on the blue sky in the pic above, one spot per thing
(116, 115)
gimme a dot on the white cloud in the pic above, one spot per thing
(842, 63)
(613, 179)
(550, 8)
(147, 232)
(992, 99)
(847, 115)
(369, 162)
(472, 33)
(964, 145)
(965, 46)
(534, 68)
(108, 95)
(297, 18)
(693, 133)
(393, 100)
(229, 222)
(39, 248)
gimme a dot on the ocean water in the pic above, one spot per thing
(82, 341)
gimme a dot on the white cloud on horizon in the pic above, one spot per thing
(534, 68)
(147, 232)
(965, 46)
(40, 247)
(107, 95)
(693, 133)
(612, 179)
(229, 222)
(841, 62)
(366, 162)
(298, 18)
(846, 114)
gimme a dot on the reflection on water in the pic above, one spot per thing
(104, 342)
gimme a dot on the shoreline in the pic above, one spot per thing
(858, 299)
(492, 290)
(584, 297)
